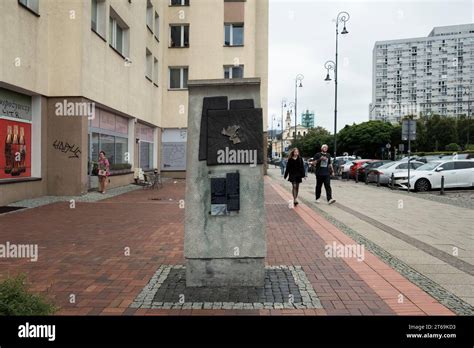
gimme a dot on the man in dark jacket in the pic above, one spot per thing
(324, 170)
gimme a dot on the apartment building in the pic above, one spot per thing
(81, 76)
(425, 75)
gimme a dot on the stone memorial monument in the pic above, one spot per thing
(225, 241)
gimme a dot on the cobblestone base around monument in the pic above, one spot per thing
(286, 287)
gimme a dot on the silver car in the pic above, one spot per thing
(385, 171)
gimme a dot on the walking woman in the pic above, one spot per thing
(295, 172)
(104, 172)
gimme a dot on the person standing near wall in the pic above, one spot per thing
(295, 172)
(324, 170)
(104, 171)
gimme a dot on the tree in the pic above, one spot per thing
(453, 147)
(312, 141)
(365, 139)
(422, 143)
(441, 131)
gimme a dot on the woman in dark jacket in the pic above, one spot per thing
(295, 172)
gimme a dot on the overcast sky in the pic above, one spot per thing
(302, 39)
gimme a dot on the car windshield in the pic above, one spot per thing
(386, 165)
(429, 166)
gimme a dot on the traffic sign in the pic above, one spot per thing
(409, 130)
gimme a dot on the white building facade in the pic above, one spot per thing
(425, 75)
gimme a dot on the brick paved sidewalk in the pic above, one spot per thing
(84, 252)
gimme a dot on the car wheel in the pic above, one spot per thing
(422, 185)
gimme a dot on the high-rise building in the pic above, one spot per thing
(424, 75)
(81, 77)
(307, 119)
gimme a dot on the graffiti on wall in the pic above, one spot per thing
(72, 150)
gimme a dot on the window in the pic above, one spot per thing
(448, 166)
(121, 148)
(463, 165)
(179, 3)
(149, 65)
(178, 78)
(146, 155)
(98, 17)
(155, 71)
(32, 5)
(149, 15)
(234, 34)
(146, 136)
(234, 72)
(179, 35)
(107, 144)
(114, 147)
(118, 33)
(403, 166)
(157, 26)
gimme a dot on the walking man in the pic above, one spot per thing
(324, 170)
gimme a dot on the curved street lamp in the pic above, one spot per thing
(298, 83)
(342, 17)
(329, 65)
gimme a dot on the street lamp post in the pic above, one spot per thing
(283, 105)
(467, 91)
(299, 78)
(342, 17)
(291, 105)
(272, 137)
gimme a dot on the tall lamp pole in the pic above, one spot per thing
(291, 105)
(283, 106)
(298, 83)
(467, 91)
(342, 17)
(272, 135)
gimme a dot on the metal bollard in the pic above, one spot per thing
(442, 186)
(366, 178)
(357, 176)
(378, 179)
(392, 181)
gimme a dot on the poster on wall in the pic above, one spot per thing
(173, 156)
(15, 149)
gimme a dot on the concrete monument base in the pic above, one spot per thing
(225, 272)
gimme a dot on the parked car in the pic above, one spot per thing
(457, 173)
(430, 158)
(385, 171)
(339, 163)
(368, 166)
(345, 169)
(357, 164)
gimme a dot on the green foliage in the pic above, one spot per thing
(453, 147)
(312, 141)
(433, 134)
(16, 300)
(366, 139)
(441, 131)
(120, 166)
